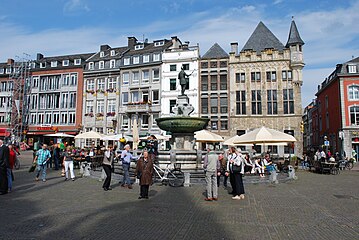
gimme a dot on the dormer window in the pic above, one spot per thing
(102, 54)
(77, 61)
(101, 65)
(112, 63)
(53, 63)
(91, 65)
(8, 70)
(126, 61)
(1, 71)
(146, 58)
(352, 69)
(64, 62)
(159, 43)
(136, 60)
(156, 57)
(112, 53)
(42, 64)
(140, 46)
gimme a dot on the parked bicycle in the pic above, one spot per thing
(346, 164)
(173, 176)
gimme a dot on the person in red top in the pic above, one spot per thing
(12, 158)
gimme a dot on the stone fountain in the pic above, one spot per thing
(182, 127)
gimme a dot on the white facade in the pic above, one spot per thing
(172, 62)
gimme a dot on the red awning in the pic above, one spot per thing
(39, 133)
(4, 132)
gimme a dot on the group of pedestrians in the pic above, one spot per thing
(215, 166)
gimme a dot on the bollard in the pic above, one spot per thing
(273, 177)
(86, 170)
(291, 173)
(187, 179)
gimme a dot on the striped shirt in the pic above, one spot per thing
(42, 156)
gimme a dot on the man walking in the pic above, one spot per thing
(4, 164)
(42, 156)
(211, 166)
(126, 158)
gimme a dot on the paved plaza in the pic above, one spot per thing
(313, 207)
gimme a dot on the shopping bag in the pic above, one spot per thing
(32, 168)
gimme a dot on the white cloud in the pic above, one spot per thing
(72, 6)
(277, 2)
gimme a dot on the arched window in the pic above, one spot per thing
(354, 115)
(354, 92)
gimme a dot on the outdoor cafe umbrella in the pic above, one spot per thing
(89, 135)
(266, 136)
(59, 135)
(116, 137)
(207, 136)
(231, 142)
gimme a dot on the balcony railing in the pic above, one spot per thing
(138, 107)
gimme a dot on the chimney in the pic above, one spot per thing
(185, 45)
(104, 47)
(234, 48)
(39, 56)
(10, 61)
(131, 42)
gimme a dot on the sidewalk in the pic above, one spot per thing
(313, 207)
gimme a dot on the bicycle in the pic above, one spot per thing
(346, 164)
(174, 177)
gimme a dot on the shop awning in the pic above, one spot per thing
(4, 132)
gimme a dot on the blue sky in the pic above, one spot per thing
(58, 27)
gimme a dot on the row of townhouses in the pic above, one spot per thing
(107, 90)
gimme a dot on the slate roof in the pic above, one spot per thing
(215, 52)
(355, 60)
(262, 38)
(119, 51)
(294, 37)
(149, 48)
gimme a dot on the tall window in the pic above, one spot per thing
(354, 115)
(136, 59)
(72, 118)
(135, 77)
(125, 78)
(204, 105)
(214, 104)
(240, 77)
(144, 123)
(272, 104)
(223, 82)
(124, 121)
(111, 83)
(65, 79)
(173, 67)
(271, 76)
(146, 58)
(155, 97)
(101, 84)
(55, 118)
(224, 104)
(354, 93)
(135, 96)
(224, 124)
(256, 102)
(173, 84)
(124, 97)
(289, 148)
(204, 83)
(101, 65)
(73, 79)
(214, 83)
(155, 75)
(287, 75)
(172, 104)
(100, 106)
(111, 105)
(255, 76)
(112, 63)
(241, 103)
(91, 65)
(90, 84)
(72, 102)
(63, 118)
(288, 101)
(145, 76)
(64, 100)
(89, 106)
(156, 57)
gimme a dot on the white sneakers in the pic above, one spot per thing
(238, 197)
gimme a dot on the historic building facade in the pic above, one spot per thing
(6, 92)
(333, 119)
(174, 58)
(266, 80)
(55, 98)
(214, 89)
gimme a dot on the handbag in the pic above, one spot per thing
(236, 168)
(139, 175)
(32, 168)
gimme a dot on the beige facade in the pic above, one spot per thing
(266, 91)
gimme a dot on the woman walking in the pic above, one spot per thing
(107, 165)
(68, 163)
(144, 170)
(12, 159)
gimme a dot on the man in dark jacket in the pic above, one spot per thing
(4, 164)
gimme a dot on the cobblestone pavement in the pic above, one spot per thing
(313, 207)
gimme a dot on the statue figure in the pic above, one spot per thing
(182, 76)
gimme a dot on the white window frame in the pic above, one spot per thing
(139, 46)
(112, 53)
(126, 61)
(125, 81)
(135, 80)
(73, 79)
(125, 122)
(89, 106)
(352, 68)
(125, 99)
(111, 105)
(102, 54)
(154, 79)
(77, 61)
(42, 65)
(65, 62)
(100, 106)
(91, 66)
(101, 64)
(53, 63)
(111, 83)
(159, 43)
(145, 79)
(101, 84)
(146, 58)
(112, 63)
(156, 57)
(136, 59)
(72, 118)
(90, 84)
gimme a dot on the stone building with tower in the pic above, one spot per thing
(266, 81)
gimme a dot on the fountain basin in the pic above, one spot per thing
(182, 124)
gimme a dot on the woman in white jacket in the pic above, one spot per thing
(235, 168)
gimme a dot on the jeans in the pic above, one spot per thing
(9, 178)
(38, 170)
(56, 162)
(212, 189)
(126, 174)
(107, 182)
(69, 164)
